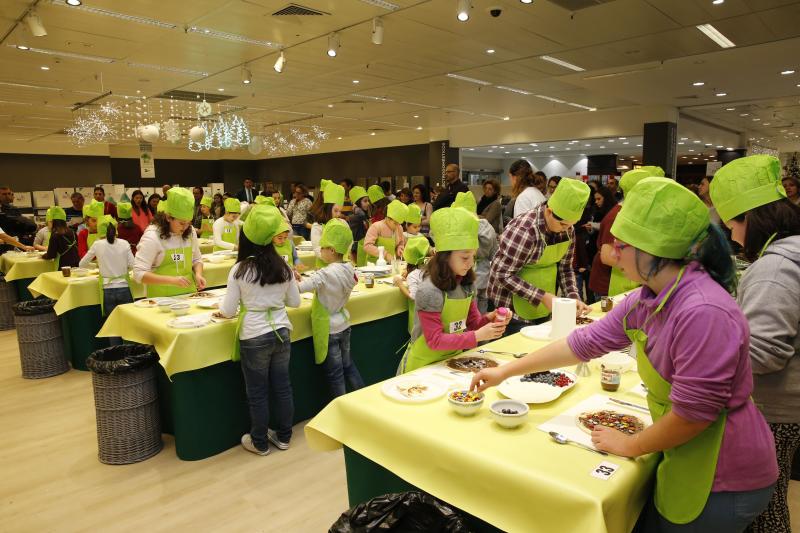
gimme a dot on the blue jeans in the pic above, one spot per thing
(265, 365)
(111, 299)
(339, 365)
(725, 512)
(302, 231)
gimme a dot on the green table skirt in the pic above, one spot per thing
(367, 479)
(78, 328)
(21, 285)
(206, 409)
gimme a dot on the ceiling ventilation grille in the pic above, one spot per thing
(191, 96)
(577, 5)
(296, 9)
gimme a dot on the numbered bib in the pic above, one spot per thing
(177, 257)
(228, 230)
(285, 258)
(458, 326)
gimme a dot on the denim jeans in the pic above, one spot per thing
(725, 512)
(111, 299)
(265, 365)
(339, 365)
(301, 231)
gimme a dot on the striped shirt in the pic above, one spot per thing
(523, 243)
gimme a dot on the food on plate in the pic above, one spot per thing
(555, 379)
(470, 364)
(412, 390)
(150, 302)
(628, 424)
(201, 295)
(466, 396)
(583, 320)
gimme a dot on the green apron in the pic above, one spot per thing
(90, 238)
(619, 283)
(361, 254)
(47, 240)
(177, 262)
(237, 354)
(389, 245)
(320, 329)
(319, 263)
(412, 307)
(286, 250)
(542, 274)
(685, 473)
(207, 228)
(58, 256)
(454, 320)
(230, 234)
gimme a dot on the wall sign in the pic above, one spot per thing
(147, 164)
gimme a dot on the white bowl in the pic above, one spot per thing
(509, 420)
(164, 303)
(80, 272)
(180, 309)
(465, 408)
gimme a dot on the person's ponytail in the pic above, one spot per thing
(714, 253)
(111, 234)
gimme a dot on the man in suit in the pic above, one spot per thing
(108, 207)
(248, 194)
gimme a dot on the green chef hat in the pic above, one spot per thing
(454, 228)
(632, 177)
(746, 183)
(333, 194)
(262, 224)
(662, 218)
(206, 201)
(55, 213)
(124, 210)
(180, 203)
(95, 209)
(161, 206)
(232, 205)
(260, 200)
(103, 223)
(414, 214)
(357, 193)
(416, 250)
(569, 199)
(336, 234)
(397, 211)
(375, 193)
(466, 200)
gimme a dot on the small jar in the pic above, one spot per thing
(610, 377)
(66, 271)
(500, 316)
(369, 280)
(606, 304)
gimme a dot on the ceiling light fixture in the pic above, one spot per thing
(373, 133)
(114, 14)
(506, 118)
(216, 34)
(246, 76)
(356, 82)
(490, 51)
(419, 127)
(468, 79)
(513, 90)
(34, 23)
(714, 34)
(579, 106)
(377, 30)
(722, 94)
(280, 63)
(562, 63)
(221, 89)
(377, 98)
(718, 2)
(176, 70)
(333, 44)
(462, 10)
(381, 3)
(44, 67)
(419, 105)
(550, 98)
(699, 83)
(787, 72)
(526, 1)
(70, 55)
(74, 3)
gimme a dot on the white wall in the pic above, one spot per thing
(564, 166)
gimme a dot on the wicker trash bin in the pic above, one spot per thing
(126, 403)
(41, 350)
(8, 297)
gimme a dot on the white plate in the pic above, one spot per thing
(189, 322)
(434, 389)
(529, 392)
(219, 320)
(226, 252)
(207, 303)
(147, 303)
(540, 332)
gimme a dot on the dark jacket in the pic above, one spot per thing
(448, 196)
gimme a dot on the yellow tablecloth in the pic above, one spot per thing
(75, 292)
(308, 258)
(182, 350)
(517, 480)
(19, 266)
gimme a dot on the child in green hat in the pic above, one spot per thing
(226, 229)
(447, 320)
(206, 230)
(42, 238)
(487, 247)
(62, 245)
(330, 321)
(86, 237)
(415, 253)
(387, 233)
(359, 223)
(261, 286)
(327, 206)
(127, 228)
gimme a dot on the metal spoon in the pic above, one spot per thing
(517, 355)
(561, 439)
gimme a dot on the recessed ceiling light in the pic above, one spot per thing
(718, 2)
(715, 35)
(622, 138)
(419, 127)
(490, 151)
(330, 106)
(699, 83)
(506, 152)
(722, 94)
(729, 149)
(74, 2)
(373, 133)
(416, 116)
(691, 149)
(22, 47)
(533, 144)
(602, 147)
(551, 147)
(356, 82)
(744, 114)
(338, 138)
(587, 145)
(44, 67)
(626, 143)
(502, 147)
(708, 144)
(562, 63)
(730, 109)
(787, 72)
(719, 146)
(638, 145)
(519, 149)
(526, 1)
(471, 149)
(506, 118)
(490, 51)
(222, 90)
(681, 142)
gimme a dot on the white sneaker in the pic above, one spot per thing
(247, 444)
(272, 436)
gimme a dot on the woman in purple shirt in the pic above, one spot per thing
(718, 468)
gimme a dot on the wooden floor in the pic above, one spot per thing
(51, 480)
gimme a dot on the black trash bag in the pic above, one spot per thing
(403, 512)
(39, 306)
(122, 358)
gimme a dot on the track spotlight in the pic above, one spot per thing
(34, 24)
(280, 63)
(377, 30)
(463, 10)
(333, 44)
(247, 78)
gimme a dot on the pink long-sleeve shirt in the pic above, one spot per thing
(381, 229)
(699, 342)
(429, 303)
